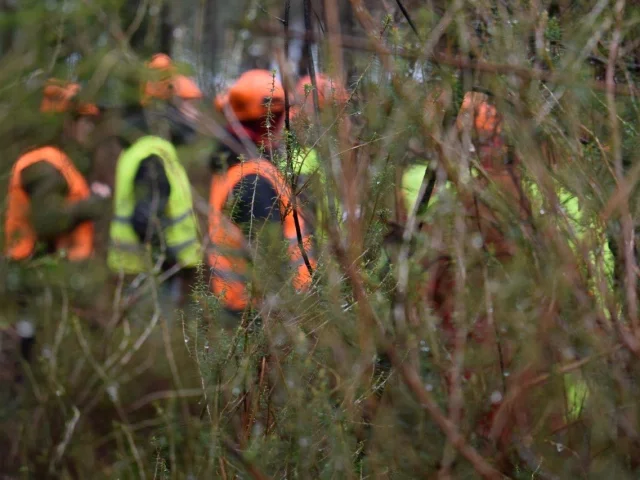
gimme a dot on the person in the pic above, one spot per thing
(305, 165)
(51, 208)
(582, 224)
(480, 121)
(479, 116)
(154, 224)
(254, 107)
(166, 82)
(329, 92)
(437, 105)
(252, 210)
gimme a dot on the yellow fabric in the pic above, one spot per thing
(411, 182)
(181, 235)
(577, 393)
(579, 223)
(576, 389)
(307, 163)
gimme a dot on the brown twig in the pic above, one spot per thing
(456, 399)
(239, 456)
(628, 238)
(164, 395)
(520, 388)
(426, 400)
(288, 152)
(461, 63)
(138, 19)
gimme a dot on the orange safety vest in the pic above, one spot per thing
(20, 237)
(228, 259)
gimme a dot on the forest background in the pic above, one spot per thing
(356, 380)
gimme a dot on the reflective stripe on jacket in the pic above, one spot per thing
(227, 259)
(20, 236)
(179, 225)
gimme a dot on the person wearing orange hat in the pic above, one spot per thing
(254, 217)
(329, 93)
(51, 207)
(168, 83)
(305, 162)
(254, 107)
(484, 123)
(479, 117)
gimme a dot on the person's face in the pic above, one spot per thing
(82, 131)
(488, 123)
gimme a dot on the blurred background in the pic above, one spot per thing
(463, 323)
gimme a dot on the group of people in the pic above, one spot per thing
(52, 208)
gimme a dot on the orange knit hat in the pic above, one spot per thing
(171, 83)
(58, 96)
(253, 96)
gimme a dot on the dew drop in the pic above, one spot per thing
(477, 241)
(258, 429)
(112, 391)
(178, 33)
(25, 329)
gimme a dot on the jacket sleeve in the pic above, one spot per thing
(152, 191)
(51, 215)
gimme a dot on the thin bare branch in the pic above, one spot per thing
(426, 400)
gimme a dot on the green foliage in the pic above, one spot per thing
(356, 378)
(553, 33)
